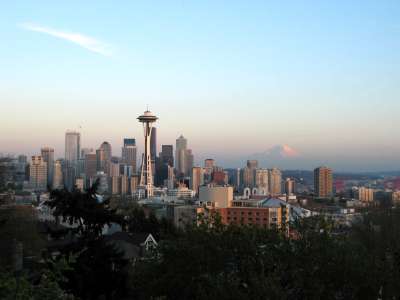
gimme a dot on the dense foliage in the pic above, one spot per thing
(229, 262)
(209, 261)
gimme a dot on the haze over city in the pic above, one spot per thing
(293, 86)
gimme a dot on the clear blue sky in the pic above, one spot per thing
(235, 77)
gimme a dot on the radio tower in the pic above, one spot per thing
(146, 176)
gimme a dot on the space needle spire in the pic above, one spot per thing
(146, 176)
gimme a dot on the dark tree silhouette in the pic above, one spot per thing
(98, 269)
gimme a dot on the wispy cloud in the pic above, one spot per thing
(84, 41)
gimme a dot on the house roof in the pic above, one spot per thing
(135, 239)
(272, 202)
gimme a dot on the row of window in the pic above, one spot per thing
(249, 213)
(248, 219)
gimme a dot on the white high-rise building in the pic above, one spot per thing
(38, 173)
(261, 180)
(58, 182)
(275, 181)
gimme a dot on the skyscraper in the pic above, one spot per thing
(129, 153)
(249, 173)
(104, 154)
(167, 155)
(261, 180)
(165, 159)
(85, 151)
(146, 177)
(57, 180)
(38, 173)
(72, 154)
(323, 183)
(90, 165)
(275, 181)
(196, 178)
(189, 162)
(72, 146)
(180, 155)
(48, 158)
(290, 186)
(153, 144)
(252, 164)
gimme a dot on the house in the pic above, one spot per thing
(133, 246)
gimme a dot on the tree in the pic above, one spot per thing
(98, 269)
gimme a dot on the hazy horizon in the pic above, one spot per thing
(236, 79)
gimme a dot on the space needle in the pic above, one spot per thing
(146, 176)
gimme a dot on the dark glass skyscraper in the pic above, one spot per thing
(129, 153)
(153, 144)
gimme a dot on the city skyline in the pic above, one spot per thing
(319, 78)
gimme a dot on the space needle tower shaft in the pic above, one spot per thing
(146, 176)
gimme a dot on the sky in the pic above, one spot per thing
(237, 78)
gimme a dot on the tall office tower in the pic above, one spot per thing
(115, 185)
(209, 165)
(129, 153)
(249, 173)
(275, 181)
(133, 184)
(189, 163)
(248, 177)
(153, 143)
(146, 176)
(290, 187)
(23, 159)
(104, 154)
(125, 170)
(165, 159)
(21, 168)
(261, 180)
(196, 178)
(323, 183)
(237, 177)
(48, 158)
(171, 178)
(85, 151)
(252, 164)
(58, 181)
(114, 167)
(72, 146)
(72, 154)
(90, 165)
(38, 173)
(124, 185)
(180, 155)
(167, 155)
